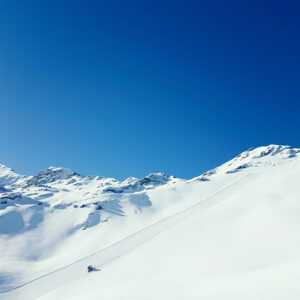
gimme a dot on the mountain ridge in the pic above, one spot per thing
(53, 173)
(59, 217)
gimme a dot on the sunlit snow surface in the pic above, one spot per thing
(231, 233)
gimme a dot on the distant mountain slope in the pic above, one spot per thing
(247, 207)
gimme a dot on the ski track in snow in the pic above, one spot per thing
(53, 280)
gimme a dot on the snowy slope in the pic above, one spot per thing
(231, 233)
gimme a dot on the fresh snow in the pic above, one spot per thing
(231, 233)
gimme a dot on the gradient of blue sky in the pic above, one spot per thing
(124, 88)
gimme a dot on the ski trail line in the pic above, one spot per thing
(76, 270)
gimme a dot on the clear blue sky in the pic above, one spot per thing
(125, 88)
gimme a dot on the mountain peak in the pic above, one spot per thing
(265, 155)
(51, 174)
(60, 170)
(280, 151)
(7, 175)
(254, 157)
(155, 179)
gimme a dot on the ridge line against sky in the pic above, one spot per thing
(62, 167)
(124, 89)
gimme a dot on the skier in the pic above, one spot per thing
(90, 268)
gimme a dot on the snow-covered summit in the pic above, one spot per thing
(276, 151)
(133, 184)
(155, 179)
(7, 175)
(51, 174)
(254, 157)
(266, 155)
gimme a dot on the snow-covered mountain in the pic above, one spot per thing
(230, 233)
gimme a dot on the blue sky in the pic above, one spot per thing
(125, 88)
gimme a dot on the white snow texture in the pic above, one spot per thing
(231, 233)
